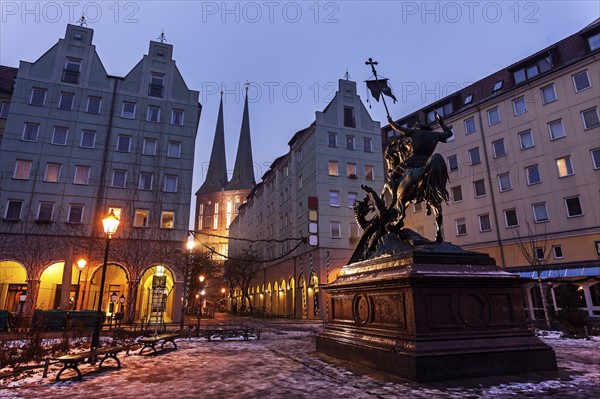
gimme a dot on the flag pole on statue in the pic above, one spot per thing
(379, 86)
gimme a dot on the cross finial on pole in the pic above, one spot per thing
(81, 21)
(162, 38)
(247, 84)
(372, 64)
(347, 75)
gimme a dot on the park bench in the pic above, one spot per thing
(151, 342)
(72, 360)
(225, 331)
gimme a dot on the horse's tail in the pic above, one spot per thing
(434, 179)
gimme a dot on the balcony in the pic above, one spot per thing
(349, 122)
(70, 76)
(155, 90)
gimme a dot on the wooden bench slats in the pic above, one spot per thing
(150, 342)
(71, 361)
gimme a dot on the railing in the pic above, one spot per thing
(155, 90)
(70, 76)
(349, 122)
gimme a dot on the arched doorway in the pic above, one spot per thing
(314, 304)
(291, 297)
(115, 283)
(303, 298)
(13, 282)
(155, 295)
(51, 287)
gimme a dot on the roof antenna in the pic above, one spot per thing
(347, 74)
(162, 38)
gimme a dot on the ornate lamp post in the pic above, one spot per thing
(22, 299)
(122, 302)
(111, 309)
(110, 224)
(80, 265)
(201, 279)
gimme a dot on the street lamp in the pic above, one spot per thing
(201, 279)
(186, 282)
(80, 265)
(110, 224)
(22, 299)
(111, 309)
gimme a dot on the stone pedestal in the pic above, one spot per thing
(430, 315)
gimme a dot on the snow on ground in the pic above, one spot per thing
(283, 364)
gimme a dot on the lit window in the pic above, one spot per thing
(30, 132)
(352, 199)
(581, 81)
(332, 139)
(140, 218)
(153, 114)
(333, 168)
(470, 125)
(474, 156)
(556, 129)
(590, 118)
(452, 162)
(88, 139)
(82, 174)
(38, 96)
(499, 149)
(149, 147)
(171, 183)
(533, 175)
(505, 182)
(174, 149)
(564, 166)
(167, 220)
(59, 136)
(45, 211)
(123, 143)
(493, 116)
(540, 212)
(75, 213)
(335, 228)
(548, 94)
(479, 187)
(66, 101)
(119, 177)
(573, 206)
(367, 144)
(369, 172)
(93, 105)
(349, 142)
(461, 227)
(526, 139)
(519, 106)
(510, 217)
(351, 170)
(334, 198)
(13, 210)
(128, 111)
(22, 169)
(52, 172)
(177, 117)
(145, 181)
(484, 223)
(457, 195)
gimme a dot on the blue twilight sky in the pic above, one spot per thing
(293, 52)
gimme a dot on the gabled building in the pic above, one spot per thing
(78, 143)
(300, 216)
(524, 166)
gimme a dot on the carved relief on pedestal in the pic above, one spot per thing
(362, 309)
(474, 309)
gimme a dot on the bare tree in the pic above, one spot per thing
(242, 270)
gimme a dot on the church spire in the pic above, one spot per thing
(216, 176)
(243, 172)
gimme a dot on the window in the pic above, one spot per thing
(66, 101)
(470, 125)
(38, 96)
(351, 170)
(468, 99)
(45, 211)
(171, 183)
(167, 219)
(417, 207)
(123, 143)
(590, 118)
(539, 253)
(540, 212)
(532, 70)
(22, 169)
(174, 149)
(333, 168)
(156, 85)
(493, 116)
(145, 181)
(177, 117)
(335, 228)
(369, 172)
(452, 162)
(548, 94)
(456, 194)
(461, 227)
(474, 156)
(451, 138)
(88, 139)
(596, 157)
(350, 142)
(118, 178)
(332, 139)
(526, 139)
(484, 223)
(564, 166)
(30, 132)
(82, 174)
(349, 120)
(52, 174)
(556, 129)
(149, 147)
(4, 108)
(300, 182)
(93, 105)
(352, 199)
(367, 144)
(13, 210)
(479, 186)
(299, 155)
(334, 198)
(498, 86)
(153, 114)
(519, 106)
(573, 206)
(533, 175)
(71, 71)
(510, 218)
(505, 182)
(75, 213)
(128, 111)
(59, 136)
(140, 218)
(557, 251)
(499, 149)
(594, 42)
(581, 81)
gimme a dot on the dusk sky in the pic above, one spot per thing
(293, 53)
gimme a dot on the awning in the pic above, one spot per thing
(593, 271)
